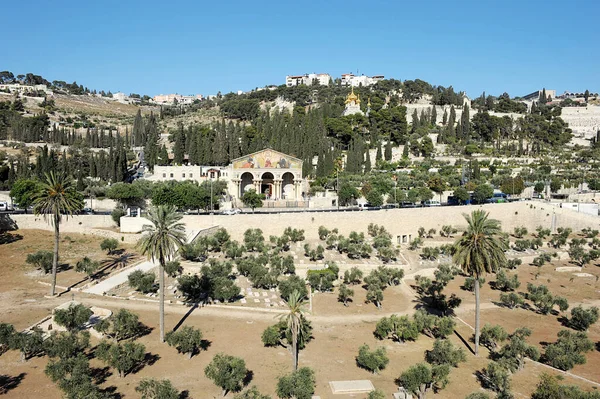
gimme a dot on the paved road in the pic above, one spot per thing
(120, 278)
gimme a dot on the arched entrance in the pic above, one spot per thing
(287, 186)
(246, 183)
(267, 186)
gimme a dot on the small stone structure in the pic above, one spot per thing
(351, 387)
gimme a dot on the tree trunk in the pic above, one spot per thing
(476, 315)
(295, 349)
(55, 258)
(161, 288)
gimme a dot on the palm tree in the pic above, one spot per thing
(478, 251)
(294, 319)
(160, 242)
(57, 197)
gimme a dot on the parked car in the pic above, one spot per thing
(4, 206)
(431, 203)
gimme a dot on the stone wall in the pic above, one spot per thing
(397, 221)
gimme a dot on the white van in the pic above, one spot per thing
(432, 203)
(3, 206)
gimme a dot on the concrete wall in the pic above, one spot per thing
(133, 224)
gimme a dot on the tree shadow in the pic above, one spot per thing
(111, 392)
(8, 238)
(63, 267)
(465, 342)
(205, 344)
(120, 261)
(184, 394)
(8, 383)
(149, 360)
(100, 375)
(598, 346)
(565, 321)
(248, 378)
(185, 316)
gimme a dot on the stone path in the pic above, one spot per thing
(120, 278)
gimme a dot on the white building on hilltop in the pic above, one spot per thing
(349, 79)
(307, 79)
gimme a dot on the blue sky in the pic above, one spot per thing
(190, 47)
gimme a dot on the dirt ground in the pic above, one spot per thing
(338, 331)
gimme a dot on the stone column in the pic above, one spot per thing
(278, 192)
(257, 184)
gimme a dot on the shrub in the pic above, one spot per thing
(444, 352)
(122, 357)
(520, 232)
(271, 336)
(291, 284)
(568, 350)
(496, 378)
(227, 372)
(511, 300)
(188, 340)
(65, 345)
(374, 361)
(87, 266)
(491, 336)
(299, 384)
(582, 319)
(345, 294)
(521, 245)
(121, 325)
(150, 388)
(353, 276)
(513, 263)
(173, 268)
(142, 282)
(109, 244)
(506, 283)
(73, 317)
(469, 284)
(42, 260)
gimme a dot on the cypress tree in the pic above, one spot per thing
(80, 185)
(378, 155)
(465, 122)
(367, 161)
(163, 156)
(179, 146)
(405, 151)
(424, 119)
(151, 147)
(415, 121)
(445, 117)
(388, 150)
(138, 130)
(433, 115)
(93, 171)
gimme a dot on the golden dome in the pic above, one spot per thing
(358, 99)
(351, 97)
